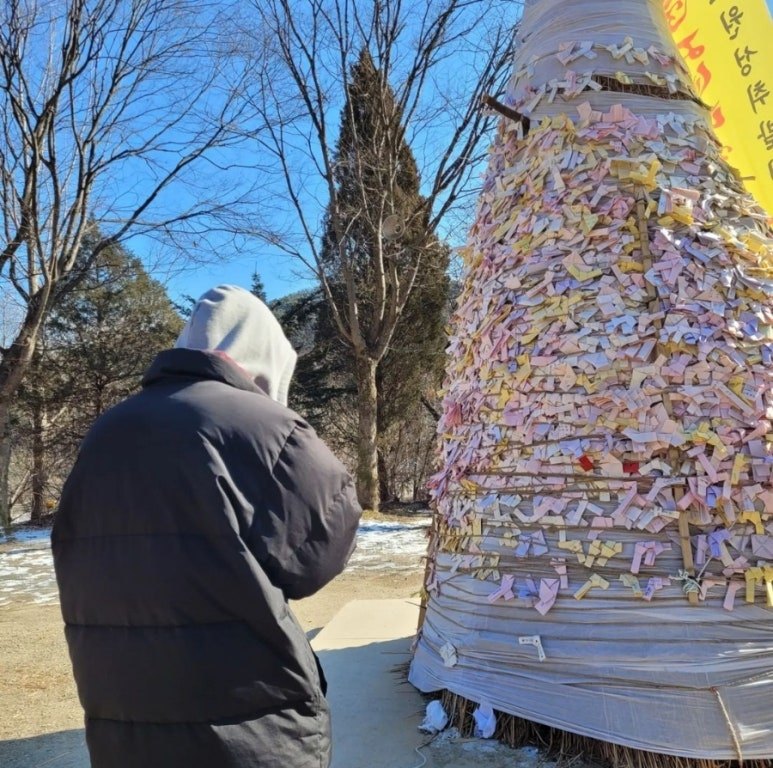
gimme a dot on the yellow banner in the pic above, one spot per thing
(728, 48)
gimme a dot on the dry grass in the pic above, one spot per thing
(569, 748)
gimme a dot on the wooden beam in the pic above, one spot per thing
(503, 109)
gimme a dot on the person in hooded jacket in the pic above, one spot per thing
(195, 510)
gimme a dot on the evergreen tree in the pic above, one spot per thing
(94, 349)
(257, 288)
(377, 225)
(409, 376)
(323, 361)
(110, 328)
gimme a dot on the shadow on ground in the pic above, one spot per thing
(375, 718)
(66, 749)
(375, 711)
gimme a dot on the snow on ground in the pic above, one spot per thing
(27, 568)
(390, 545)
(450, 750)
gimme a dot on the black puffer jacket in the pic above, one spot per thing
(195, 509)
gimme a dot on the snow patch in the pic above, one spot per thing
(26, 535)
(449, 745)
(27, 567)
(396, 546)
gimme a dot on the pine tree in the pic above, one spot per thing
(93, 351)
(323, 361)
(257, 288)
(409, 376)
(368, 265)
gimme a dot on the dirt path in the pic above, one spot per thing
(37, 693)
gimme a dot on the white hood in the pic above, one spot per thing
(231, 320)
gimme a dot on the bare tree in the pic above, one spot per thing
(106, 108)
(436, 59)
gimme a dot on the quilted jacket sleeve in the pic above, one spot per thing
(313, 515)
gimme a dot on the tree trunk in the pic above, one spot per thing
(15, 363)
(39, 474)
(367, 437)
(383, 478)
(5, 467)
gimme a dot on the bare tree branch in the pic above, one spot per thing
(431, 61)
(430, 53)
(106, 106)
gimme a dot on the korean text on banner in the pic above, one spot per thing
(726, 46)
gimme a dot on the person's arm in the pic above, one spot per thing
(308, 534)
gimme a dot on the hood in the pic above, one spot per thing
(231, 320)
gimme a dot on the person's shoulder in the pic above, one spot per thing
(252, 413)
(266, 414)
(253, 405)
(111, 424)
(125, 409)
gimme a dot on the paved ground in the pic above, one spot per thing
(376, 713)
(66, 749)
(364, 650)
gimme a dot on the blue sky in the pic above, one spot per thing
(281, 275)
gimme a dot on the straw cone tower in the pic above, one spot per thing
(602, 551)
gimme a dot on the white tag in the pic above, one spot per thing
(536, 641)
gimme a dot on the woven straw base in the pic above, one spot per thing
(568, 748)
